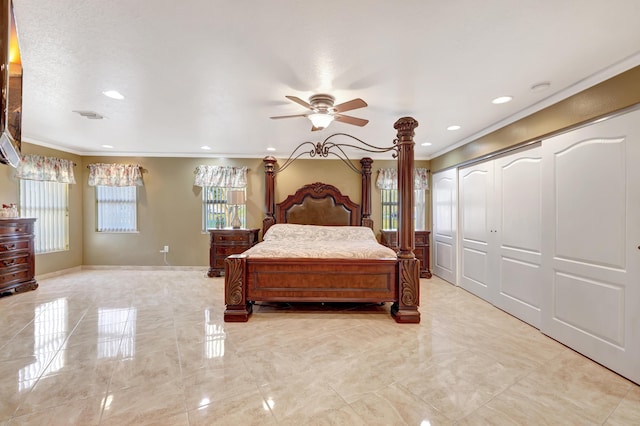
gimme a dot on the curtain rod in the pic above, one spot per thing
(88, 165)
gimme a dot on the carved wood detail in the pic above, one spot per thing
(343, 212)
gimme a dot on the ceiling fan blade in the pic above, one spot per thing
(352, 104)
(315, 129)
(288, 116)
(350, 120)
(299, 101)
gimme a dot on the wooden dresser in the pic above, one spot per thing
(228, 241)
(17, 258)
(390, 239)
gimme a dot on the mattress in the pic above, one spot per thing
(312, 241)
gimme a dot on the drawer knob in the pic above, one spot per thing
(9, 246)
(9, 262)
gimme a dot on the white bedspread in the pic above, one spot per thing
(311, 241)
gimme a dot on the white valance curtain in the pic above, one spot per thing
(50, 169)
(101, 174)
(221, 176)
(388, 179)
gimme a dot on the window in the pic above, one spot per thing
(116, 208)
(420, 205)
(390, 209)
(387, 182)
(215, 212)
(49, 203)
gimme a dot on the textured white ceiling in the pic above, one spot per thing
(204, 72)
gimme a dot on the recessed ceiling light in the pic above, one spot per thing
(271, 148)
(502, 100)
(205, 147)
(107, 146)
(113, 94)
(541, 87)
(454, 127)
(426, 144)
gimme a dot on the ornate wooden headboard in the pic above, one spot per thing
(318, 204)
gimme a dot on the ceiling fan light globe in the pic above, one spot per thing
(320, 120)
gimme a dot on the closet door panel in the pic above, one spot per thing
(520, 196)
(476, 197)
(444, 231)
(577, 187)
(520, 286)
(591, 300)
(518, 213)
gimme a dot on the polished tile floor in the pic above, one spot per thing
(117, 347)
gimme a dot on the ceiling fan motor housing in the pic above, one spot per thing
(322, 102)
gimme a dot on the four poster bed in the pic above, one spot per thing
(306, 254)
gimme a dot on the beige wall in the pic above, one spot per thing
(8, 185)
(169, 213)
(170, 207)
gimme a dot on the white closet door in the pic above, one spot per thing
(444, 198)
(518, 236)
(591, 218)
(476, 232)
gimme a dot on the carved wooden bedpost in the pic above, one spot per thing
(405, 310)
(366, 192)
(235, 289)
(269, 184)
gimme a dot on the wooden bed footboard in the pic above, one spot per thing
(306, 280)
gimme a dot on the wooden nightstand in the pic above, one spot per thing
(225, 242)
(389, 238)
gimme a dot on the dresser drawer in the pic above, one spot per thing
(14, 275)
(14, 228)
(14, 245)
(17, 258)
(14, 259)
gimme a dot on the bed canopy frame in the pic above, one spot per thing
(389, 280)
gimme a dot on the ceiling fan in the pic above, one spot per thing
(323, 112)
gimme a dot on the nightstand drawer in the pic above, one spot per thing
(229, 250)
(224, 243)
(389, 238)
(421, 239)
(231, 238)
